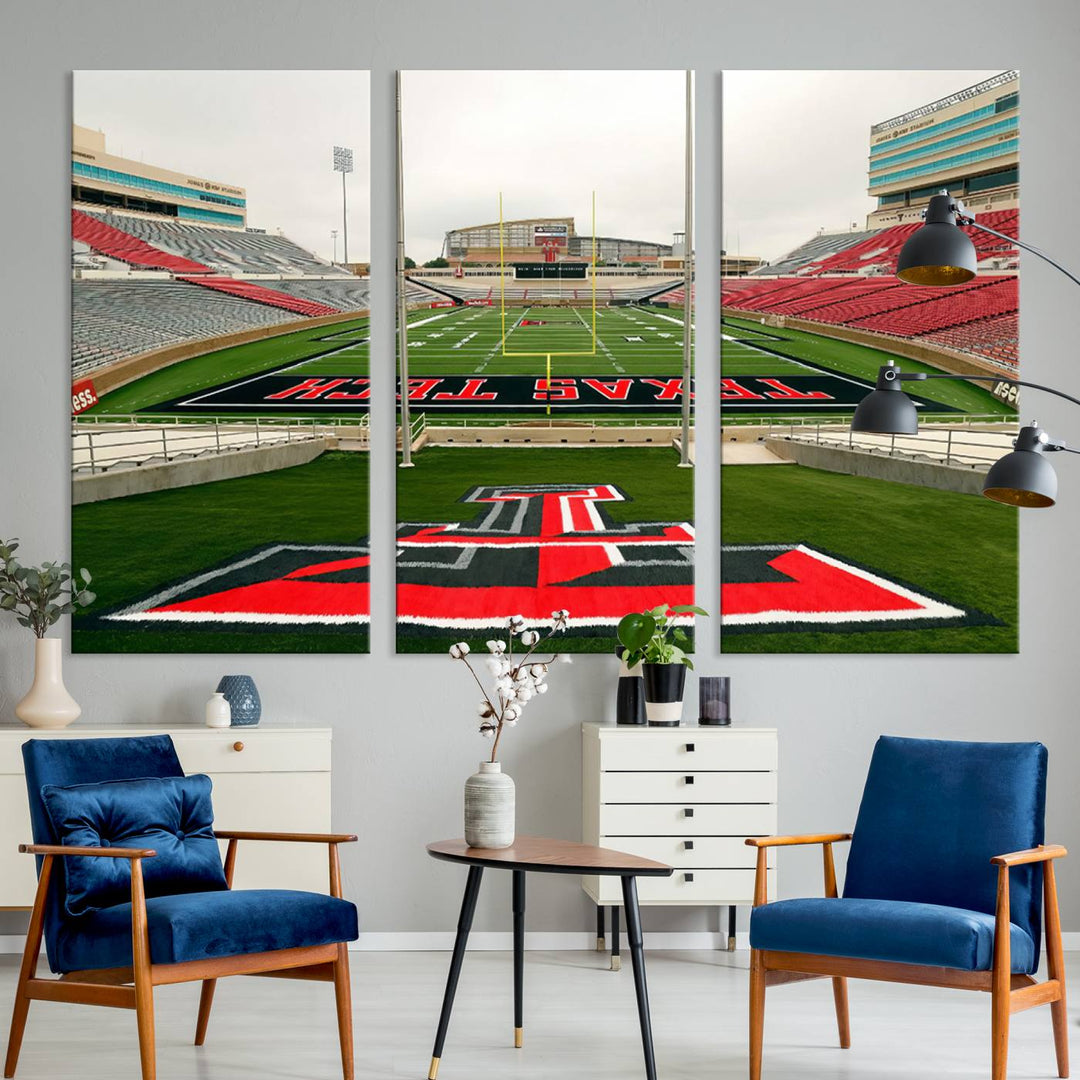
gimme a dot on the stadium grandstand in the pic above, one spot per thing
(545, 240)
(965, 143)
(160, 258)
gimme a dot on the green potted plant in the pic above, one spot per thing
(38, 596)
(654, 639)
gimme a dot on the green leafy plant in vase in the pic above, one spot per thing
(655, 639)
(37, 597)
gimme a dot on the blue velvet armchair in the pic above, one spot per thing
(945, 876)
(132, 893)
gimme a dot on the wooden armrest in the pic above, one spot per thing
(100, 852)
(299, 838)
(792, 841)
(1043, 853)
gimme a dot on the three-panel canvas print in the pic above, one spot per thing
(546, 314)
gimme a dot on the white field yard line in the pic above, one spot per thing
(497, 347)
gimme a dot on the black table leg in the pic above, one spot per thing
(731, 912)
(468, 908)
(637, 958)
(519, 954)
(616, 958)
(600, 944)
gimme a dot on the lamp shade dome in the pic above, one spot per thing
(886, 412)
(937, 253)
(1022, 478)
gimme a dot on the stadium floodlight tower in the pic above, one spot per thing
(343, 163)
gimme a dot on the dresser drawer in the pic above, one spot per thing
(687, 787)
(689, 749)
(709, 888)
(706, 852)
(261, 751)
(670, 819)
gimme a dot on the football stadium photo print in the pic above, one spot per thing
(219, 229)
(837, 537)
(544, 330)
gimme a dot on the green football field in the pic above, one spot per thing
(339, 349)
(630, 340)
(138, 545)
(960, 548)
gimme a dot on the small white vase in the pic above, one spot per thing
(218, 711)
(489, 808)
(48, 704)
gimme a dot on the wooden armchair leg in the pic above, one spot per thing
(757, 1011)
(1055, 968)
(343, 993)
(843, 1025)
(144, 987)
(206, 1000)
(34, 933)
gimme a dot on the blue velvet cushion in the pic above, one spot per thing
(900, 931)
(171, 815)
(199, 926)
(935, 813)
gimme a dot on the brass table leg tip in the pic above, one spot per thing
(600, 945)
(517, 1038)
(616, 963)
(433, 1072)
(730, 944)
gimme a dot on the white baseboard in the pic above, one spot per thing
(539, 940)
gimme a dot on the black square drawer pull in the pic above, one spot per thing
(688, 878)
(688, 812)
(688, 779)
(689, 747)
(688, 845)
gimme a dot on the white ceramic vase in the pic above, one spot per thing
(489, 807)
(218, 711)
(48, 704)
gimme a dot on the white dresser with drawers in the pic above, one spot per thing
(686, 796)
(266, 778)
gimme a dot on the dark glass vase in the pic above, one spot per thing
(243, 698)
(630, 696)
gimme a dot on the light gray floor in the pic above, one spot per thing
(580, 1021)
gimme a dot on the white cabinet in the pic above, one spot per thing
(686, 796)
(269, 779)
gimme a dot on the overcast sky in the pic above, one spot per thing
(796, 145)
(546, 139)
(272, 132)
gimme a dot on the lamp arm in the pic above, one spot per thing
(972, 223)
(919, 376)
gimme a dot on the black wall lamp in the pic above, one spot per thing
(1022, 477)
(939, 252)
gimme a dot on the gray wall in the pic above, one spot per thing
(403, 726)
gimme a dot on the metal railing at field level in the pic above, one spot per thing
(109, 442)
(965, 445)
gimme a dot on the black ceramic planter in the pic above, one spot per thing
(664, 685)
(630, 698)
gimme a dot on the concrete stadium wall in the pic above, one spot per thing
(521, 435)
(128, 370)
(900, 470)
(167, 475)
(960, 363)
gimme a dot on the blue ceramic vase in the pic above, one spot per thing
(243, 698)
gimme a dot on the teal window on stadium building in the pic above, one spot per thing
(1010, 101)
(196, 213)
(998, 128)
(144, 183)
(1008, 146)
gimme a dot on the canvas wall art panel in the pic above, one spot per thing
(219, 363)
(842, 540)
(546, 427)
